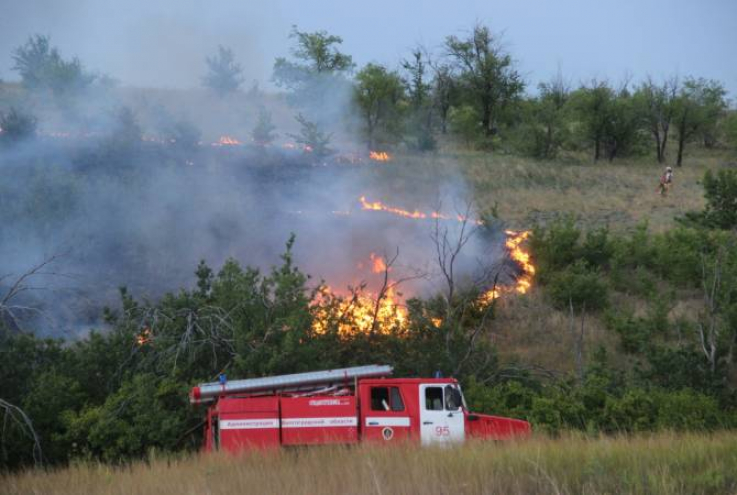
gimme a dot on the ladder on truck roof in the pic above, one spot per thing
(206, 392)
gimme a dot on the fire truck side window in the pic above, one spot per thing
(386, 399)
(379, 398)
(453, 399)
(397, 402)
(434, 398)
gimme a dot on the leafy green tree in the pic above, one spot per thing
(443, 93)
(720, 192)
(16, 126)
(379, 96)
(593, 104)
(715, 105)
(488, 75)
(263, 132)
(730, 129)
(317, 73)
(23, 358)
(546, 126)
(41, 66)
(224, 74)
(465, 122)
(319, 53)
(420, 121)
(53, 395)
(622, 131)
(146, 412)
(657, 106)
(698, 107)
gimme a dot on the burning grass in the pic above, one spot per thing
(363, 312)
(662, 463)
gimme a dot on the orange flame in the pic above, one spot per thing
(227, 141)
(144, 337)
(416, 214)
(379, 206)
(358, 314)
(377, 264)
(380, 156)
(515, 251)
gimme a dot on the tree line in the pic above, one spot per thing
(470, 89)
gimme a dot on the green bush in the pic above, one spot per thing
(580, 287)
(634, 411)
(554, 247)
(688, 410)
(16, 126)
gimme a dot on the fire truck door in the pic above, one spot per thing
(441, 416)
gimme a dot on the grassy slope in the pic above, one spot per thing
(664, 463)
(619, 195)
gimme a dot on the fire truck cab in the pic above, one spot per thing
(343, 406)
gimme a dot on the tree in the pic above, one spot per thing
(465, 122)
(657, 107)
(715, 108)
(224, 74)
(16, 126)
(420, 107)
(730, 129)
(488, 74)
(720, 192)
(317, 72)
(547, 125)
(312, 138)
(622, 132)
(378, 95)
(697, 109)
(41, 66)
(465, 319)
(715, 327)
(593, 104)
(263, 132)
(443, 92)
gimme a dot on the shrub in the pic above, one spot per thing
(578, 286)
(16, 126)
(555, 247)
(688, 410)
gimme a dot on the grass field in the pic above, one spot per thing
(620, 194)
(663, 463)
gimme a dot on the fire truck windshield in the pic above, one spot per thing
(453, 398)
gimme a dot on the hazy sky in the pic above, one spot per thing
(164, 42)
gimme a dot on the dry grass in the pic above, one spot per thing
(619, 194)
(663, 463)
(528, 329)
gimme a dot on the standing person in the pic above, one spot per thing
(666, 180)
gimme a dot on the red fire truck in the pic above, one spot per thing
(345, 406)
